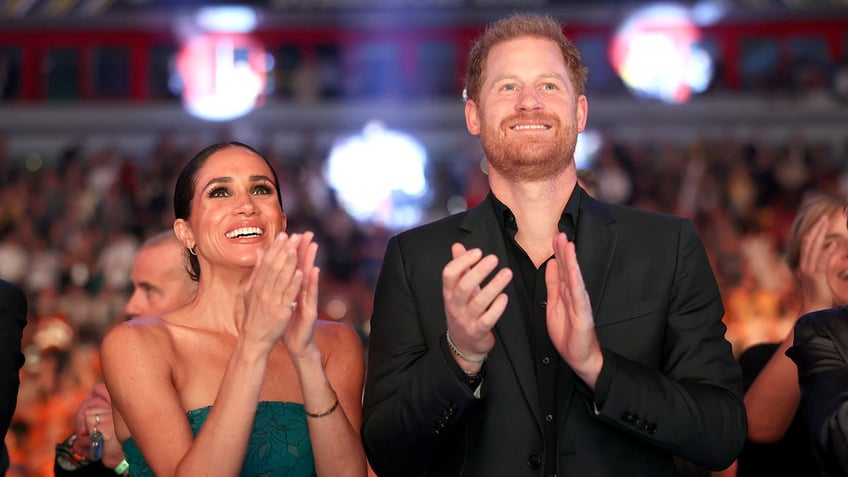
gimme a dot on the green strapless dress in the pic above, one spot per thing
(279, 443)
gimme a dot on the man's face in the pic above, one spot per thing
(160, 280)
(528, 115)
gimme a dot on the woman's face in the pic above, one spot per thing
(837, 267)
(234, 210)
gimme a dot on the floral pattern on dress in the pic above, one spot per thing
(278, 446)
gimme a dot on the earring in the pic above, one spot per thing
(192, 250)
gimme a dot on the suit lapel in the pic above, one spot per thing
(596, 243)
(594, 256)
(484, 232)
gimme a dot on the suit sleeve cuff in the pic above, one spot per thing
(598, 396)
(474, 382)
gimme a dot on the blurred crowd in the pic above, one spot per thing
(69, 230)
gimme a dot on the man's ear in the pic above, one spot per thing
(472, 117)
(183, 232)
(582, 112)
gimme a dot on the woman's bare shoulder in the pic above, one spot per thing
(141, 326)
(334, 331)
(335, 337)
(147, 333)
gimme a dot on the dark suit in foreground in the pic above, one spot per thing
(669, 384)
(821, 352)
(13, 313)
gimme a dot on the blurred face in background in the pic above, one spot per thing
(837, 267)
(160, 280)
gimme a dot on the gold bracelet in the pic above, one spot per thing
(325, 413)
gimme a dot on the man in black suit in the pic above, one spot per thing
(544, 332)
(13, 314)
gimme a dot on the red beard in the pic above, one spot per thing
(531, 158)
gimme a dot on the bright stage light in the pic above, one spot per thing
(656, 53)
(379, 176)
(222, 75)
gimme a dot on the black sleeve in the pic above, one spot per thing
(13, 313)
(821, 341)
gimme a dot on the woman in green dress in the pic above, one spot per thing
(243, 380)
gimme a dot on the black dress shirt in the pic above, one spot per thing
(548, 364)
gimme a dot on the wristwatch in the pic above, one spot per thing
(67, 458)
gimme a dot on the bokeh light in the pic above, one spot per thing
(222, 75)
(657, 55)
(379, 176)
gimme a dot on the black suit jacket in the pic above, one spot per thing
(13, 313)
(674, 388)
(820, 350)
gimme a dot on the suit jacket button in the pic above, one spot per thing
(534, 462)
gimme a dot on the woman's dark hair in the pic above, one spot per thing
(184, 189)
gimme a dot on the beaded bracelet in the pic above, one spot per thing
(459, 353)
(325, 413)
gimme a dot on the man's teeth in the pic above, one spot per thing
(529, 126)
(245, 232)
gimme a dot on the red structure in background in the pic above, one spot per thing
(132, 64)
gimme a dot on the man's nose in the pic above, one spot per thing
(133, 307)
(529, 99)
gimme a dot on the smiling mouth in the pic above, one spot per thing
(527, 127)
(245, 232)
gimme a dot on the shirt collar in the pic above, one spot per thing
(567, 221)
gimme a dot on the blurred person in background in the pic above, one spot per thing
(820, 351)
(13, 319)
(817, 255)
(588, 180)
(161, 283)
(243, 378)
